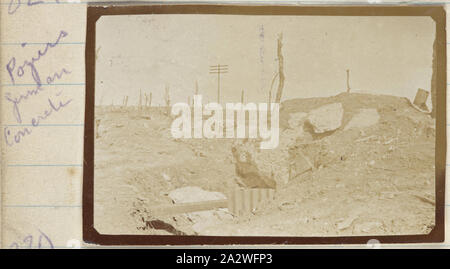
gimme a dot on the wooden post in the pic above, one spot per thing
(196, 91)
(167, 99)
(140, 99)
(348, 80)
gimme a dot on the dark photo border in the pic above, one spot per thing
(437, 13)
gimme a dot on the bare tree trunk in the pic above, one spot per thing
(280, 69)
(242, 97)
(167, 96)
(269, 108)
(434, 79)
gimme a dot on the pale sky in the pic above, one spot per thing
(385, 55)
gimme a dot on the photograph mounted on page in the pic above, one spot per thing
(259, 124)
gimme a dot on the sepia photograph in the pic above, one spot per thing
(264, 125)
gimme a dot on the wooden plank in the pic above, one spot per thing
(240, 201)
(188, 207)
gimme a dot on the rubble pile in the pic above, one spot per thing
(258, 168)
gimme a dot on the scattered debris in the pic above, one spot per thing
(365, 138)
(390, 141)
(165, 176)
(161, 225)
(287, 206)
(368, 227)
(346, 223)
(318, 201)
(304, 220)
(425, 199)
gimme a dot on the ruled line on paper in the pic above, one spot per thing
(42, 206)
(46, 125)
(45, 165)
(38, 43)
(44, 85)
(73, 2)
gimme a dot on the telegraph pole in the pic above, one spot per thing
(218, 69)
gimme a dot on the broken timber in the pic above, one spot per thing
(240, 201)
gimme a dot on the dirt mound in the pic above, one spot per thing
(376, 177)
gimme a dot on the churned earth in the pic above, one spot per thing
(373, 175)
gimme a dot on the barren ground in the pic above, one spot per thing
(377, 180)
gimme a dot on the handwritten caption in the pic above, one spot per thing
(29, 241)
(18, 69)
